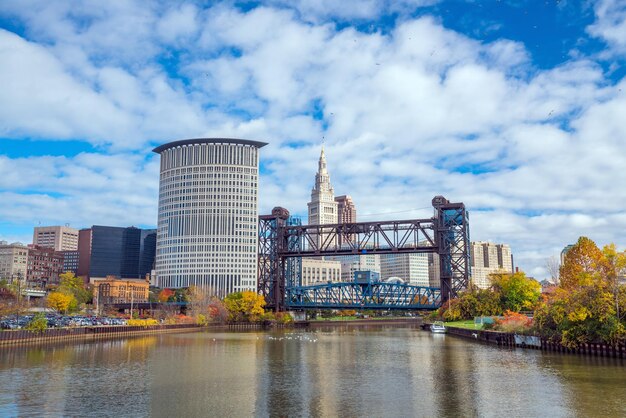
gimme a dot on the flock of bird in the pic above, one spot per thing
(295, 337)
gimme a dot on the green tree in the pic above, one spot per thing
(615, 267)
(517, 292)
(69, 283)
(38, 323)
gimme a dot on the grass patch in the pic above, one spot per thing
(468, 324)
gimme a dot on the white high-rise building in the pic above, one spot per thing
(61, 238)
(208, 215)
(487, 258)
(410, 267)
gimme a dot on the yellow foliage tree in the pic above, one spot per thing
(584, 264)
(245, 306)
(61, 302)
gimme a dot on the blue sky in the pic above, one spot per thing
(513, 107)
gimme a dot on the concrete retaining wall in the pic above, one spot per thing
(508, 340)
(20, 337)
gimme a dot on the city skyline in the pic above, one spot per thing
(513, 110)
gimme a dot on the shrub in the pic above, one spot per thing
(513, 322)
(39, 323)
(142, 322)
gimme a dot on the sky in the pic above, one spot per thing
(515, 108)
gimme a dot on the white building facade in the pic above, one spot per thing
(13, 261)
(487, 258)
(410, 267)
(208, 215)
(316, 271)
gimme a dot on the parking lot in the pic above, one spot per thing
(59, 321)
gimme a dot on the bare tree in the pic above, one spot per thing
(553, 265)
(199, 300)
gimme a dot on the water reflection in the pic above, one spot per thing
(346, 371)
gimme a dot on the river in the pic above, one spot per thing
(373, 371)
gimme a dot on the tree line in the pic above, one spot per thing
(587, 304)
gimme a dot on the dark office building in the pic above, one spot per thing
(147, 251)
(70, 261)
(127, 253)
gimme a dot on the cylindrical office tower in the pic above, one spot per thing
(208, 215)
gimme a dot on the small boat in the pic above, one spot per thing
(438, 327)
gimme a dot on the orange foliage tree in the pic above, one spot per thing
(165, 295)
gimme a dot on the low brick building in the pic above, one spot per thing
(114, 290)
(44, 266)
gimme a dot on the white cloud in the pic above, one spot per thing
(536, 155)
(610, 24)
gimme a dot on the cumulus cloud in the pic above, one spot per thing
(407, 114)
(610, 24)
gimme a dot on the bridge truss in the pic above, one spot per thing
(283, 241)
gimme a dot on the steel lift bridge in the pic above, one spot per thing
(283, 241)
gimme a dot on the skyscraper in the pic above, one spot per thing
(208, 215)
(323, 209)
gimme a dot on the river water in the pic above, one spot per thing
(373, 371)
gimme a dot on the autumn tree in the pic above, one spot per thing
(69, 283)
(584, 263)
(61, 301)
(217, 311)
(165, 295)
(587, 306)
(615, 267)
(245, 306)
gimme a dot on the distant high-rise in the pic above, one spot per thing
(487, 258)
(564, 252)
(60, 238)
(346, 210)
(208, 215)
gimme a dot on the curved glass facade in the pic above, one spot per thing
(208, 216)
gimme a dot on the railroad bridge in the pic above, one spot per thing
(283, 242)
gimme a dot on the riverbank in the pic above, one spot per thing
(84, 334)
(504, 339)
